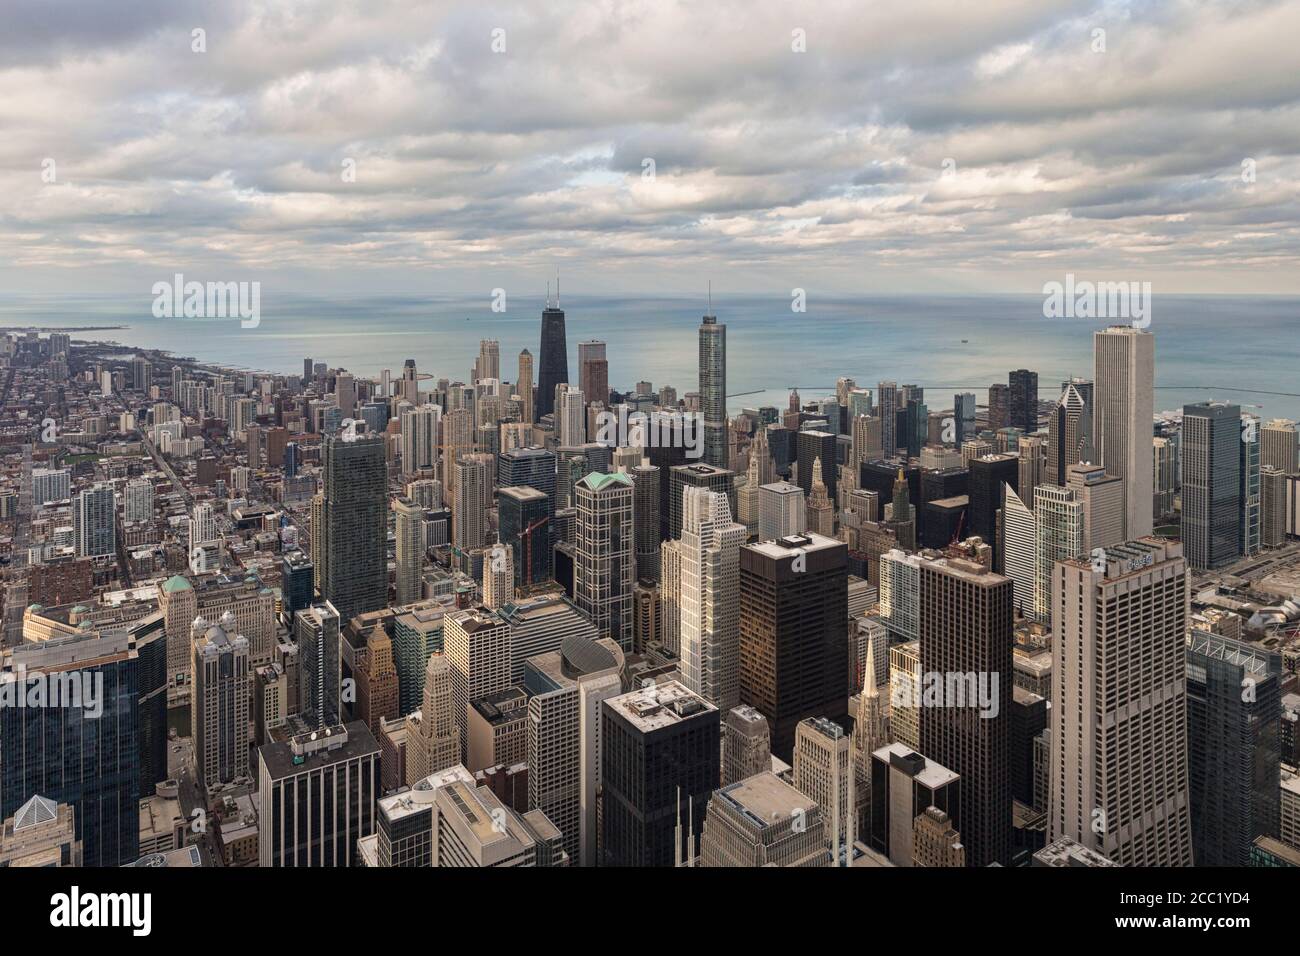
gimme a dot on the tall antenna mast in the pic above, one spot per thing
(548, 294)
(557, 288)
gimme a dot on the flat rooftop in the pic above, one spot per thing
(765, 798)
(660, 705)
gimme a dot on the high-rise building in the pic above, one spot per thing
(659, 762)
(355, 517)
(472, 500)
(887, 401)
(565, 689)
(1102, 497)
(746, 744)
(571, 418)
(710, 591)
(93, 522)
(219, 708)
(713, 390)
(1019, 549)
(1249, 511)
(870, 733)
(524, 386)
(963, 405)
(316, 633)
(1279, 446)
(1118, 773)
(1212, 459)
(1069, 434)
(604, 564)
(336, 767)
(433, 736)
(593, 371)
(966, 636)
(999, 406)
(553, 358)
(138, 500)
(761, 820)
(904, 784)
(682, 477)
(987, 476)
(823, 769)
(498, 576)
(1273, 507)
(532, 466)
(1058, 535)
(935, 841)
(409, 533)
(1023, 386)
(781, 511)
(420, 426)
(793, 640)
(525, 529)
(81, 750)
(1123, 410)
(645, 511)
(821, 513)
(478, 648)
(1234, 760)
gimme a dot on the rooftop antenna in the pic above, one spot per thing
(557, 288)
(548, 294)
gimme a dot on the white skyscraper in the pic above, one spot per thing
(93, 524)
(478, 645)
(1123, 412)
(1118, 778)
(781, 511)
(409, 532)
(498, 576)
(572, 424)
(1058, 535)
(420, 437)
(710, 598)
(203, 526)
(1019, 536)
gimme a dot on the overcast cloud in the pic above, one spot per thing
(917, 145)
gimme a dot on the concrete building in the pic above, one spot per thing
(761, 820)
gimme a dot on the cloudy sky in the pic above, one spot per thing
(885, 146)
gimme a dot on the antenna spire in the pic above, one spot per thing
(548, 294)
(557, 288)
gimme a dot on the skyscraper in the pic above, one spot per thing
(93, 523)
(604, 564)
(355, 512)
(220, 701)
(1069, 433)
(645, 510)
(433, 734)
(478, 648)
(713, 390)
(746, 744)
(710, 583)
(1233, 708)
(472, 500)
(498, 576)
(524, 386)
(524, 528)
(966, 636)
(593, 371)
(409, 532)
(1118, 776)
(1212, 459)
(887, 400)
(553, 357)
(1123, 409)
(781, 511)
(1023, 385)
(1249, 509)
(823, 769)
(761, 820)
(1058, 535)
(793, 640)
(658, 767)
(316, 632)
(1279, 445)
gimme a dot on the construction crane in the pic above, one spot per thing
(527, 536)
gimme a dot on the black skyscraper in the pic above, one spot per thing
(553, 367)
(1024, 400)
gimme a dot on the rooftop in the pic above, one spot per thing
(659, 705)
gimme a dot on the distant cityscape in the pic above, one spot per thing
(524, 615)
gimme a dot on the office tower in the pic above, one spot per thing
(1069, 434)
(498, 730)
(524, 386)
(747, 496)
(1273, 510)
(524, 529)
(1058, 535)
(1211, 453)
(1123, 407)
(571, 418)
(1234, 760)
(887, 402)
(593, 371)
(296, 591)
(710, 582)
(553, 357)
(987, 475)
(868, 445)
(1278, 445)
(697, 476)
(645, 511)
(409, 533)
(1023, 389)
(292, 458)
(498, 576)
(904, 784)
(823, 769)
(659, 766)
(478, 648)
(203, 526)
(1119, 705)
(811, 445)
(1064, 852)
(746, 744)
(916, 418)
(419, 426)
(355, 512)
(464, 840)
(1164, 451)
(899, 581)
(219, 703)
(93, 522)
(40, 833)
(904, 689)
(963, 404)
(566, 688)
(1102, 497)
(338, 768)
(670, 595)
(138, 501)
(316, 632)
(966, 630)
(935, 842)
(1249, 511)
(533, 466)
(81, 749)
(713, 390)
(781, 511)
(821, 513)
(761, 820)
(457, 440)
(902, 514)
(999, 407)
(1032, 466)
(473, 498)
(604, 566)
(793, 643)
(489, 360)
(1019, 549)
(433, 738)
(149, 634)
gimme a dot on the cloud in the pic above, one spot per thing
(928, 144)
